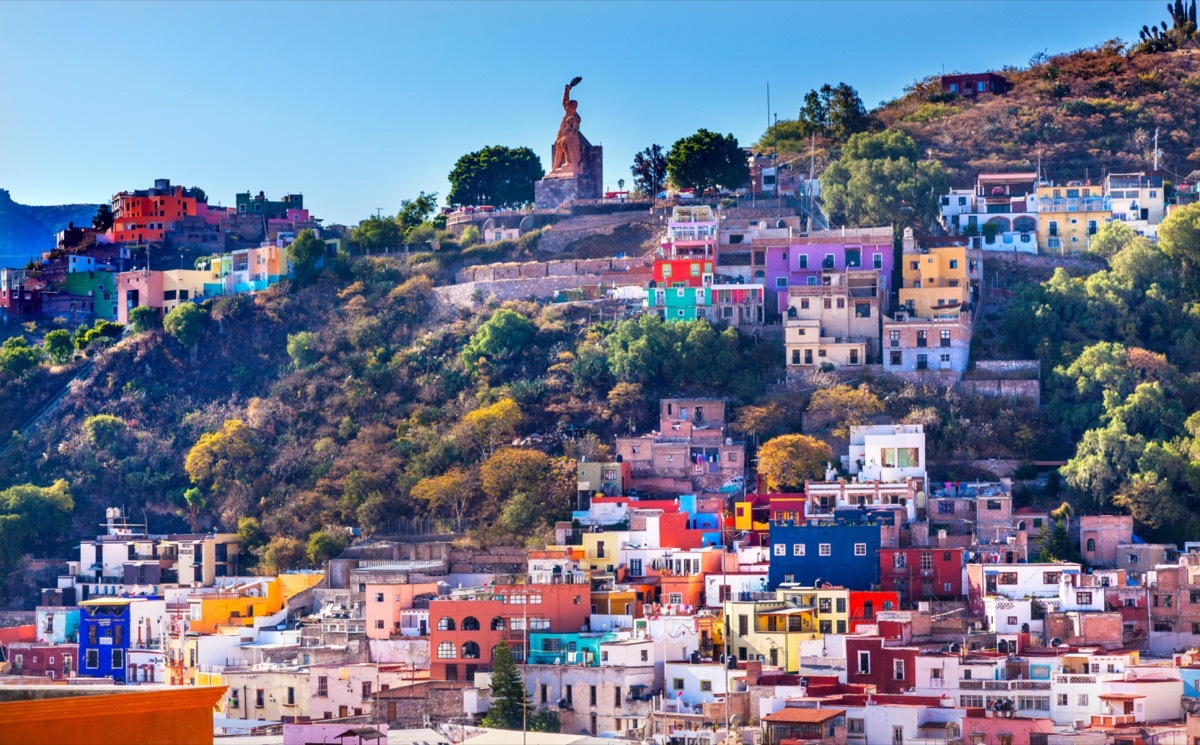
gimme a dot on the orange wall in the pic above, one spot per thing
(134, 213)
(172, 716)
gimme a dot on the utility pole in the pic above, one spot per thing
(1156, 148)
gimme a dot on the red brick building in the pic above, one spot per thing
(465, 631)
(50, 660)
(922, 573)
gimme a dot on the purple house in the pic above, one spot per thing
(801, 259)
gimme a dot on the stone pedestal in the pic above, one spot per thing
(551, 193)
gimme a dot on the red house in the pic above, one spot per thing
(691, 272)
(922, 573)
(465, 631)
(36, 659)
(889, 669)
(975, 84)
(865, 606)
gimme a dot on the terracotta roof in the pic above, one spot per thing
(793, 715)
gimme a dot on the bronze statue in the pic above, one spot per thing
(568, 148)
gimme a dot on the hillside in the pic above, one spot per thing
(26, 231)
(1085, 112)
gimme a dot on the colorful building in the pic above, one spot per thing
(922, 573)
(147, 215)
(158, 289)
(839, 551)
(834, 323)
(1069, 215)
(98, 285)
(112, 630)
(1007, 201)
(935, 282)
(804, 259)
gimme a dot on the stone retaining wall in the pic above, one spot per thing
(538, 269)
(1020, 390)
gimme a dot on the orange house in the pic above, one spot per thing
(149, 214)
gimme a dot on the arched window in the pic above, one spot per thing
(446, 624)
(470, 623)
(445, 651)
(470, 651)
(518, 652)
(498, 624)
(1021, 525)
(1091, 544)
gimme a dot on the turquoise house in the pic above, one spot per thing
(578, 648)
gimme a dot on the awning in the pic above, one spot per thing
(1120, 696)
(788, 611)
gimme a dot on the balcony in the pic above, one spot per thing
(1113, 720)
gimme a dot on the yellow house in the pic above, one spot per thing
(181, 285)
(831, 606)
(770, 629)
(600, 550)
(935, 281)
(1068, 216)
(241, 605)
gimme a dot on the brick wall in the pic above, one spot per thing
(1018, 390)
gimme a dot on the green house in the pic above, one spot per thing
(101, 286)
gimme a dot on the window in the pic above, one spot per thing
(922, 362)
(92, 661)
(780, 549)
(1051, 578)
(1006, 578)
(1092, 227)
(877, 261)
(897, 359)
(897, 669)
(841, 604)
(446, 623)
(899, 561)
(1083, 699)
(291, 694)
(645, 655)
(803, 259)
(470, 623)
(971, 701)
(856, 726)
(823, 549)
(1091, 544)
(706, 685)
(798, 549)
(860, 549)
(1083, 598)
(1054, 243)
(781, 281)
(1133, 559)
(945, 337)
(926, 561)
(864, 663)
(258, 698)
(379, 623)
(445, 651)
(379, 597)
(1061, 699)
(118, 659)
(323, 685)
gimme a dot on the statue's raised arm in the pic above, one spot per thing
(567, 90)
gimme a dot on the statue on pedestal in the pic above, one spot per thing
(568, 148)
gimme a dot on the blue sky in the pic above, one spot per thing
(360, 105)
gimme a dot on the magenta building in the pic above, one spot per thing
(800, 259)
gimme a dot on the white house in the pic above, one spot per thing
(701, 683)
(887, 452)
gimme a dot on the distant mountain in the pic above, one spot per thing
(26, 231)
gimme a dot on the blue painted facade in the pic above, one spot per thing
(104, 639)
(840, 552)
(575, 648)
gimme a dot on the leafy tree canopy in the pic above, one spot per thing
(707, 160)
(880, 180)
(649, 170)
(305, 254)
(495, 175)
(788, 461)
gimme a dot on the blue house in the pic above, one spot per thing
(104, 626)
(843, 551)
(575, 648)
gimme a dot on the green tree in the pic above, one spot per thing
(143, 319)
(511, 470)
(1056, 537)
(707, 160)
(305, 255)
(1179, 237)
(834, 111)
(501, 338)
(302, 348)
(194, 503)
(496, 175)
(545, 720)
(281, 554)
(59, 346)
(470, 236)
(103, 219)
(17, 357)
(105, 432)
(325, 544)
(788, 461)
(649, 170)
(413, 212)
(1104, 459)
(880, 180)
(756, 421)
(32, 518)
(250, 534)
(219, 459)
(378, 234)
(509, 698)
(1110, 239)
(186, 323)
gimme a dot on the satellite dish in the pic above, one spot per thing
(735, 720)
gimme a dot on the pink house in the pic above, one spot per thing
(997, 728)
(396, 610)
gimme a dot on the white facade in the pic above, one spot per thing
(737, 583)
(887, 452)
(1026, 580)
(867, 725)
(702, 683)
(1009, 615)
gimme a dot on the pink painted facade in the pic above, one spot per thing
(386, 604)
(1002, 730)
